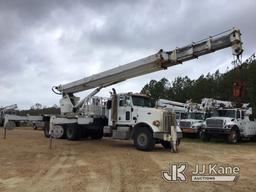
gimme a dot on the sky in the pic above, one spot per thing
(44, 43)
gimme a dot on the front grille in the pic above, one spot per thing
(214, 123)
(168, 121)
(185, 124)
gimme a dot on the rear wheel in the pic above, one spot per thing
(71, 132)
(58, 132)
(97, 134)
(46, 131)
(143, 139)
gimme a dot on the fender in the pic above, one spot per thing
(141, 124)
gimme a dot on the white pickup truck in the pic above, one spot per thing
(235, 124)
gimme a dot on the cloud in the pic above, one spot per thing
(51, 42)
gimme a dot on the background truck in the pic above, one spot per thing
(193, 124)
(127, 115)
(10, 109)
(234, 123)
(180, 109)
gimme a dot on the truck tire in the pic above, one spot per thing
(143, 139)
(97, 134)
(199, 133)
(166, 144)
(205, 137)
(34, 126)
(233, 136)
(71, 132)
(59, 132)
(46, 131)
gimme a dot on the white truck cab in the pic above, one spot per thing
(134, 116)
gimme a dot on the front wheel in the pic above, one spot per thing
(199, 133)
(143, 139)
(34, 126)
(233, 137)
(166, 144)
(205, 137)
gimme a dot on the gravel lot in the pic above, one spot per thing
(27, 164)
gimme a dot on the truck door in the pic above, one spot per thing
(124, 110)
(240, 120)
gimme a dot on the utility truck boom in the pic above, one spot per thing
(156, 62)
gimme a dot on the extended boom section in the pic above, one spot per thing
(159, 61)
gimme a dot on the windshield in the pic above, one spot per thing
(224, 113)
(181, 115)
(142, 101)
(199, 116)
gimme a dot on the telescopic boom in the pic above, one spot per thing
(156, 62)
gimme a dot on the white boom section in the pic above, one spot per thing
(159, 61)
(211, 103)
(10, 107)
(165, 103)
(9, 120)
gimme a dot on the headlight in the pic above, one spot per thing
(228, 126)
(156, 123)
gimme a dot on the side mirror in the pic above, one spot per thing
(109, 104)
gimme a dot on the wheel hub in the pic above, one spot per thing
(57, 131)
(142, 139)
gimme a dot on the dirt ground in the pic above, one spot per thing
(27, 164)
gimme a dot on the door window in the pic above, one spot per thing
(238, 116)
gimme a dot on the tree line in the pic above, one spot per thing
(217, 85)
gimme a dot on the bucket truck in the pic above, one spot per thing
(180, 109)
(228, 120)
(129, 115)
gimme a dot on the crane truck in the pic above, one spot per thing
(128, 115)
